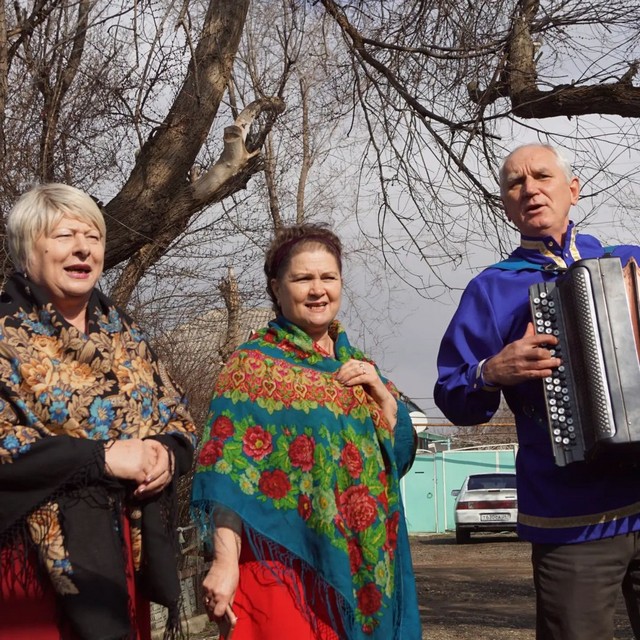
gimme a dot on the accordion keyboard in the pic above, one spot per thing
(560, 398)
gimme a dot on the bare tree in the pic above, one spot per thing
(501, 429)
(166, 113)
(74, 67)
(445, 87)
(190, 291)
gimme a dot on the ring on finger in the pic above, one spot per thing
(362, 367)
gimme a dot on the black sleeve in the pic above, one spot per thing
(46, 468)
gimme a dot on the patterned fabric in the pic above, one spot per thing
(63, 394)
(313, 466)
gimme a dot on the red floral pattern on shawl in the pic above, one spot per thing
(307, 462)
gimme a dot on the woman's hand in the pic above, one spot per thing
(129, 460)
(146, 462)
(355, 372)
(221, 582)
(161, 474)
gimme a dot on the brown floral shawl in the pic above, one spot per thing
(63, 395)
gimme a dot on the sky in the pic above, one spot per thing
(413, 352)
(408, 353)
(415, 327)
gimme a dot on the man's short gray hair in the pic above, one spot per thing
(39, 210)
(563, 161)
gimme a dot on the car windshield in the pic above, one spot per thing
(492, 481)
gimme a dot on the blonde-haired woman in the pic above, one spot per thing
(93, 434)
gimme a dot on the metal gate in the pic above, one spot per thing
(427, 487)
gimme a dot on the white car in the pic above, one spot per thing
(486, 502)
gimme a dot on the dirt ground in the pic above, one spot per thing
(482, 590)
(479, 591)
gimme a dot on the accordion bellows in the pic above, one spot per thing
(593, 398)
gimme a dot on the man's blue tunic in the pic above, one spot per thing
(569, 504)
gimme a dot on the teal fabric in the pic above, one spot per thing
(312, 465)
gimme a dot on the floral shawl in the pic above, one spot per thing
(313, 466)
(63, 394)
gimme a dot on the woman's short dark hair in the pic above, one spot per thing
(291, 240)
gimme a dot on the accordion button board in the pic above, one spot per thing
(593, 399)
(560, 397)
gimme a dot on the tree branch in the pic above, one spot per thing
(359, 48)
(235, 156)
(54, 93)
(159, 183)
(229, 174)
(519, 82)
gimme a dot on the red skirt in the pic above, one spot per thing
(273, 602)
(28, 608)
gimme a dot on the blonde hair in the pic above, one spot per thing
(38, 211)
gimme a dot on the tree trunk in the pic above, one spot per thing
(228, 174)
(229, 289)
(519, 82)
(157, 194)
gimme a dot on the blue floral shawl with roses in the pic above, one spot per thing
(313, 466)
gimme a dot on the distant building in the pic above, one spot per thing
(427, 441)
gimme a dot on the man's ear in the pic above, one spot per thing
(574, 187)
(506, 213)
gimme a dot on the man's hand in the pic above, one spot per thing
(525, 359)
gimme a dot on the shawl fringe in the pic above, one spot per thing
(322, 596)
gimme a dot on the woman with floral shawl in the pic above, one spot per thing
(93, 434)
(297, 484)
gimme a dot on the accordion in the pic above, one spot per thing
(593, 398)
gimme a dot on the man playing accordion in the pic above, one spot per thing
(583, 519)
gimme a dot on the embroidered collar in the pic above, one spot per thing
(546, 250)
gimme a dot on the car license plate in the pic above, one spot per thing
(494, 517)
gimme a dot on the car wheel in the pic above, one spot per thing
(462, 536)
